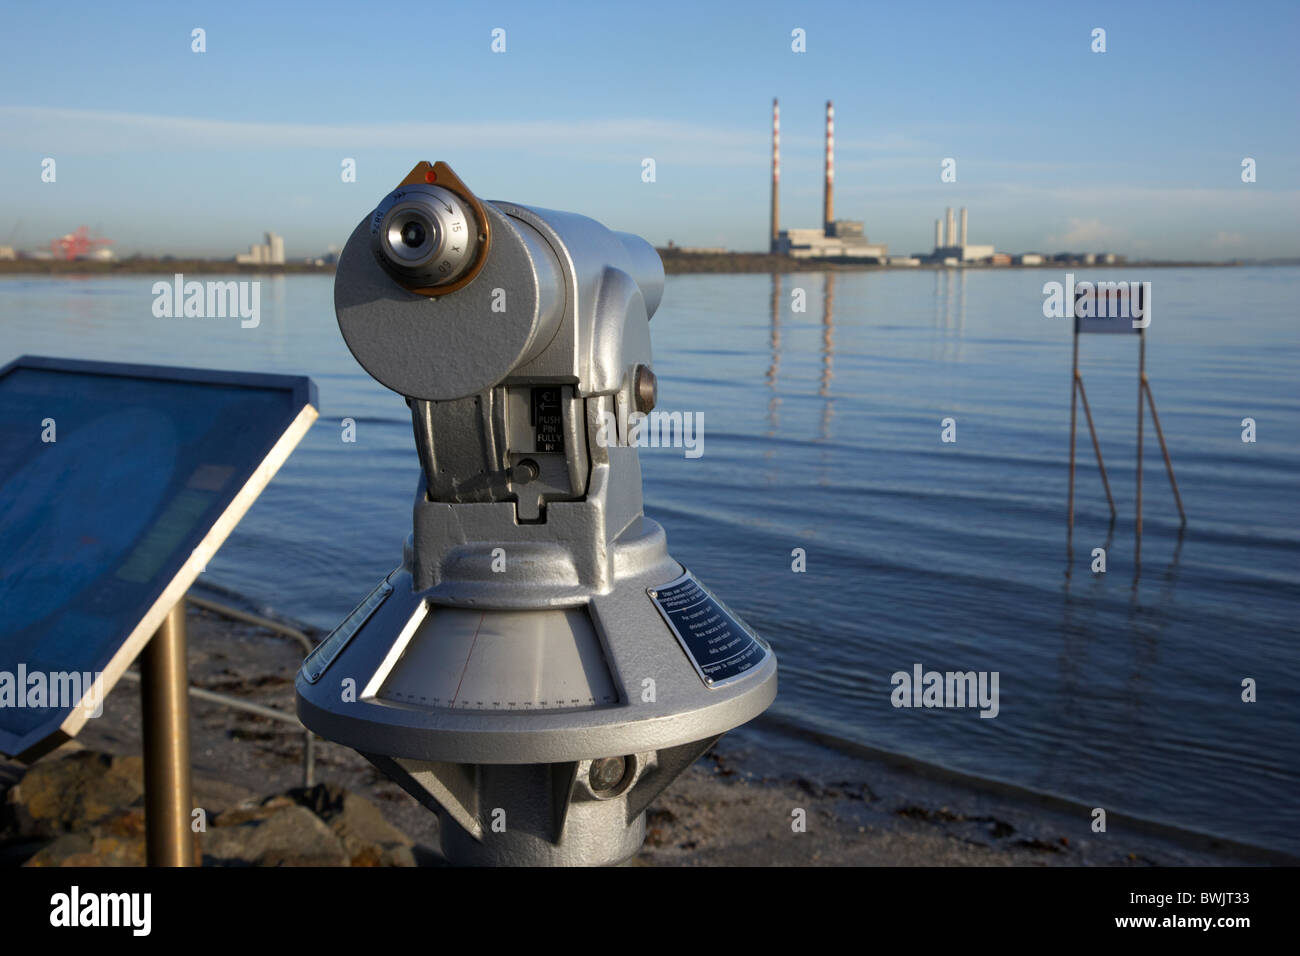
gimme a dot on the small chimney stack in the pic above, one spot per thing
(938, 233)
(963, 225)
(952, 230)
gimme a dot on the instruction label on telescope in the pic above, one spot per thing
(719, 644)
(548, 418)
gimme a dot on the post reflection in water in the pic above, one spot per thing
(1147, 622)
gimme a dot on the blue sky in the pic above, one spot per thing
(1136, 150)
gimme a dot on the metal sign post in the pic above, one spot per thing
(1078, 392)
(165, 723)
(1144, 387)
(1115, 308)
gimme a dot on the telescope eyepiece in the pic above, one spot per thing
(424, 236)
(413, 233)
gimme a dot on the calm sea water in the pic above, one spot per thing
(822, 432)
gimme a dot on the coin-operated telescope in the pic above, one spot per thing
(539, 668)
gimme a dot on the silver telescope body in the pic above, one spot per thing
(539, 668)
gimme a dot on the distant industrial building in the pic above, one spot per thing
(270, 252)
(837, 239)
(7, 252)
(952, 249)
(1090, 258)
(845, 240)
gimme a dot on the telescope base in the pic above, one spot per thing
(553, 814)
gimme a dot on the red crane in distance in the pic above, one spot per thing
(76, 244)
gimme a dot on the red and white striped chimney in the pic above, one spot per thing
(776, 173)
(829, 202)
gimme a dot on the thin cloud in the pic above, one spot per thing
(1086, 231)
(97, 131)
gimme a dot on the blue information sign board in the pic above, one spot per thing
(117, 485)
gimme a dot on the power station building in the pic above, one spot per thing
(948, 245)
(837, 239)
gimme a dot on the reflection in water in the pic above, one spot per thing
(774, 400)
(87, 312)
(1146, 624)
(776, 305)
(939, 277)
(828, 350)
(1073, 659)
(273, 308)
(949, 313)
(1168, 579)
(961, 309)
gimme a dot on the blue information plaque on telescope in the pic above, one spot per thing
(117, 484)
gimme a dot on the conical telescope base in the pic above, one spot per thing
(540, 736)
(560, 814)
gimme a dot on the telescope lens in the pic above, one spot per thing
(413, 234)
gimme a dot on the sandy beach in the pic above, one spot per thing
(765, 795)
